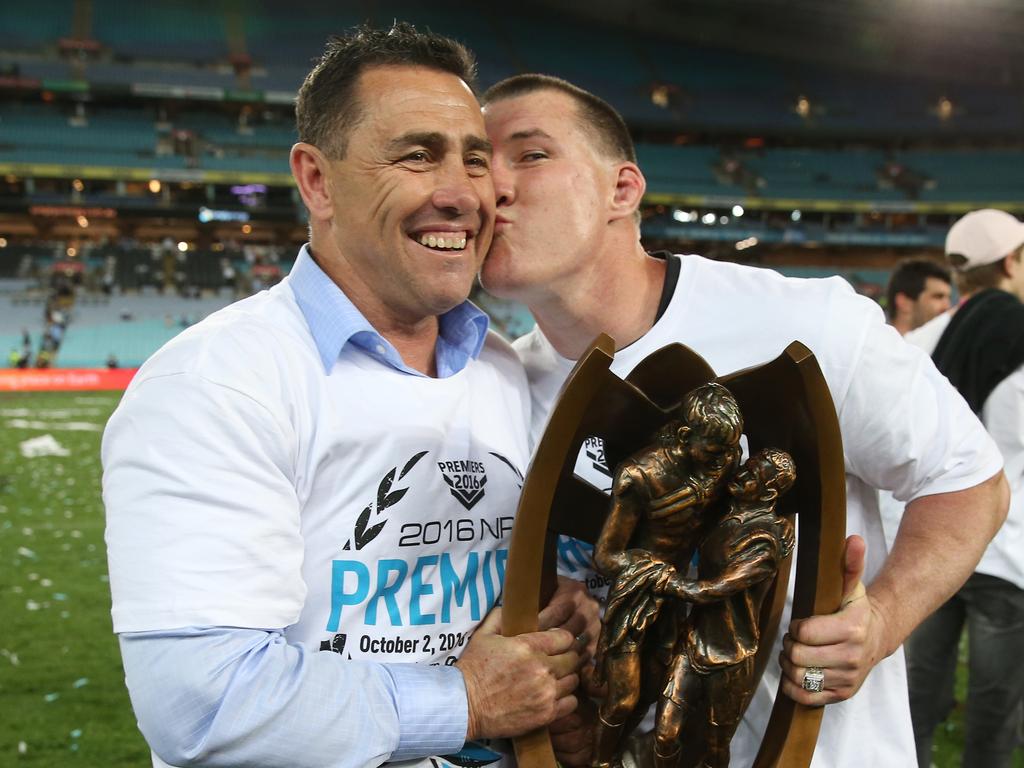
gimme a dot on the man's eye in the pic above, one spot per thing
(419, 156)
(531, 156)
(478, 161)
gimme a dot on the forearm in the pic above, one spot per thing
(937, 547)
(728, 583)
(234, 697)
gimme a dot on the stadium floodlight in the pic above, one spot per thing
(182, 246)
(737, 211)
(154, 185)
(796, 215)
(723, 219)
(83, 222)
(709, 218)
(683, 216)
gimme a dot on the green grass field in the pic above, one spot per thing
(61, 683)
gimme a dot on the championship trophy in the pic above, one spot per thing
(692, 640)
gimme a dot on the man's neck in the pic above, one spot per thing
(415, 338)
(618, 294)
(902, 325)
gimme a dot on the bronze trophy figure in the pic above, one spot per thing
(712, 669)
(681, 495)
(659, 509)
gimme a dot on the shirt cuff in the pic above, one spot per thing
(433, 710)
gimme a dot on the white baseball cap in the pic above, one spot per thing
(984, 237)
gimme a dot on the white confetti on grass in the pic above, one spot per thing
(73, 426)
(51, 413)
(44, 445)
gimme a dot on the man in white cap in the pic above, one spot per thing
(980, 347)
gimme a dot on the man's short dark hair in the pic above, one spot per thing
(598, 117)
(326, 107)
(910, 277)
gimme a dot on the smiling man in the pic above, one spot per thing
(567, 244)
(309, 494)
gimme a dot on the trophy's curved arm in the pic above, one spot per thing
(526, 548)
(792, 731)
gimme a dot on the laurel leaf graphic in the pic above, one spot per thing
(370, 535)
(361, 521)
(411, 463)
(509, 464)
(383, 488)
(385, 498)
(392, 498)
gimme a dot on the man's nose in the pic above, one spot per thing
(457, 192)
(504, 189)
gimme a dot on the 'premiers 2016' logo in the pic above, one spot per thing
(466, 480)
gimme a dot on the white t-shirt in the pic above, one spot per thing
(904, 428)
(366, 511)
(1003, 417)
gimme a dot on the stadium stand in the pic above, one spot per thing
(126, 130)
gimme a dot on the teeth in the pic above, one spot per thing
(449, 242)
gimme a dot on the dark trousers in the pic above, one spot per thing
(993, 611)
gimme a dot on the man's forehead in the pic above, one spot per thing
(405, 87)
(543, 113)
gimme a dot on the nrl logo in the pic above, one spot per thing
(466, 480)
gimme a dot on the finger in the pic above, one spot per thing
(491, 625)
(566, 685)
(550, 642)
(799, 655)
(559, 611)
(565, 706)
(841, 682)
(580, 757)
(847, 626)
(570, 724)
(807, 698)
(853, 570)
(563, 664)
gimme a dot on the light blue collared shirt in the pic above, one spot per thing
(334, 322)
(221, 696)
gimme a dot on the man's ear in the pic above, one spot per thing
(1012, 263)
(902, 303)
(630, 186)
(309, 167)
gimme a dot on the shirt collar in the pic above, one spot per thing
(334, 321)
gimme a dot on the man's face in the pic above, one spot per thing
(932, 302)
(412, 200)
(553, 188)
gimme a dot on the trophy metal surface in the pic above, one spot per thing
(697, 646)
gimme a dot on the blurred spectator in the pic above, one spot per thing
(918, 290)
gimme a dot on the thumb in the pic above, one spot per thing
(853, 570)
(491, 625)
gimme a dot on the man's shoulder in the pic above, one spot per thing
(741, 281)
(927, 336)
(239, 343)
